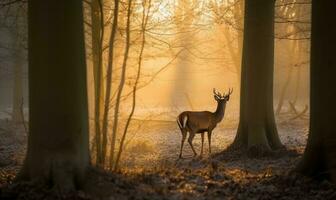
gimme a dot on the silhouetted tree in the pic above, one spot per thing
(58, 142)
(319, 157)
(257, 127)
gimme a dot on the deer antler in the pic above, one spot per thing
(229, 93)
(217, 93)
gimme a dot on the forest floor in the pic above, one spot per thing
(150, 168)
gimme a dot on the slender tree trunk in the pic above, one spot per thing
(293, 60)
(257, 127)
(58, 142)
(283, 90)
(319, 158)
(97, 21)
(121, 84)
(114, 27)
(297, 84)
(144, 21)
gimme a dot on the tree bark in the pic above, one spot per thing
(58, 142)
(319, 158)
(257, 124)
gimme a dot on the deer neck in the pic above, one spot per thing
(219, 113)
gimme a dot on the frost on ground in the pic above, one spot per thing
(150, 168)
(158, 143)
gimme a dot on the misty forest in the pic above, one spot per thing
(167, 99)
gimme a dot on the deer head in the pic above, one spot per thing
(222, 98)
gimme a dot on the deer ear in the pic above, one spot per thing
(216, 98)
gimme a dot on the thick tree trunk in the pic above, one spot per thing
(58, 143)
(257, 127)
(319, 157)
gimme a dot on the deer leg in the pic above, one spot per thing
(202, 135)
(209, 140)
(190, 139)
(184, 135)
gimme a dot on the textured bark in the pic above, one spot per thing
(257, 125)
(58, 142)
(319, 158)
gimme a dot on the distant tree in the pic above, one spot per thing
(58, 142)
(319, 157)
(257, 127)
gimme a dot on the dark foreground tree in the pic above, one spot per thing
(257, 127)
(58, 146)
(319, 159)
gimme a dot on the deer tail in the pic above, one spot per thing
(184, 124)
(185, 119)
(178, 122)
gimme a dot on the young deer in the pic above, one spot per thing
(201, 122)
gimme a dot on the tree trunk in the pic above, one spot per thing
(284, 90)
(58, 143)
(144, 21)
(257, 127)
(319, 157)
(121, 84)
(97, 21)
(109, 76)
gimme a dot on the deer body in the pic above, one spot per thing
(201, 122)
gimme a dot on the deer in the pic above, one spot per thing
(196, 122)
